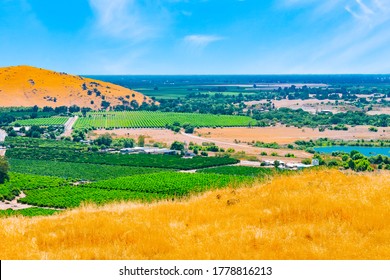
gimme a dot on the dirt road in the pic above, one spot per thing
(69, 126)
(14, 204)
(3, 134)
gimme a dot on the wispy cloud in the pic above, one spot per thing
(198, 42)
(129, 19)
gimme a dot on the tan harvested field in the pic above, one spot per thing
(314, 105)
(168, 137)
(287, 135)
(379, 111)
(316, 214)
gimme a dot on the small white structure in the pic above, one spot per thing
(315, 162)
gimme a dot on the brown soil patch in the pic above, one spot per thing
(287, 135)
(168, 137)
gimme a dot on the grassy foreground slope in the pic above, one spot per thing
(316, 214)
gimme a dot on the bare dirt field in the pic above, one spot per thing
(168, 136)
(14, 204)
(314, 105)
(286, 135)
(379, 111)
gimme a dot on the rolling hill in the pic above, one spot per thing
(29, 86)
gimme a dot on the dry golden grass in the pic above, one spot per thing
(27, 86)
(323, 214)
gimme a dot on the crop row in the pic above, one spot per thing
(143, 188)
(28, 212)
(28, 142)
(18, 182)
(79, 171)
(172, 183)
(239, 170)
(139, 160)
(42, 121)
(146, 119)
(69, 197)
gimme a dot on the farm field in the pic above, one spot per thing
(142, 188)
(145, 119)
(27, 142)
(42, 121)
(287, 135)
(28, 212)
(137, 160)
(77, 171)
(240, 171)
(315, 214)
(168, 137)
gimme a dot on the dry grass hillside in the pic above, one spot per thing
(323, 214)
(29, 86)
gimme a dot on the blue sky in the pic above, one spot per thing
(197, 36)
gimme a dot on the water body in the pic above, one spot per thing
(367, 151)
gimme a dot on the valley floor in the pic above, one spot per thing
(315, 214)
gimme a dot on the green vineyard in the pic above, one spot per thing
(145, 119)
(79, 171)
(144, 188)
(42, 121)
(28, 212)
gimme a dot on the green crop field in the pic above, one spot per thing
(144, 188)
(19, 182)
(69, 197)
(144, 119)
(239, 171)
(28, 212)
(27, 142)
(79, 171)
(42, 121)
(172, 183)
(139, 160)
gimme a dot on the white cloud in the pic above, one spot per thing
(129, 19)
(199, 42)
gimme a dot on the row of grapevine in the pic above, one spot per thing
(69, 197)
(172, 183)
(19, 181)
(146, 119)
(42, 121)
(29, 212)
(79, 171)
(28, 142)
(138, 160)
(239, 171)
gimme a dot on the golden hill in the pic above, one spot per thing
(316, 214)
(29, 86)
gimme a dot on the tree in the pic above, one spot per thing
(141, 141)
(177, 146)
(4, 167)
(104, 139)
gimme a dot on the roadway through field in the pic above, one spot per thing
(69, 126)
(3, 134)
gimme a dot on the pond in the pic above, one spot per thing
(367, 151)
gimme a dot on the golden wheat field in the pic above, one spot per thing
(317, 214)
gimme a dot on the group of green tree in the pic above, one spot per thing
(353, 160)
